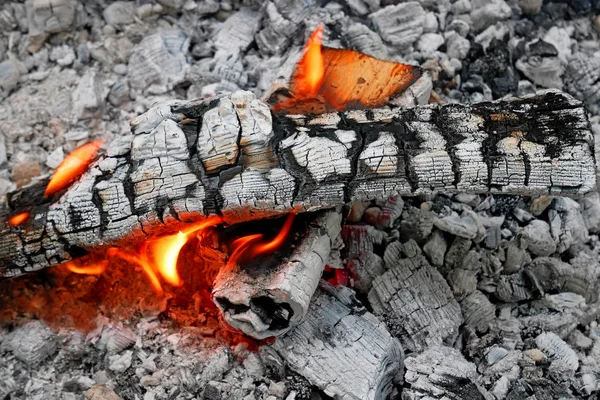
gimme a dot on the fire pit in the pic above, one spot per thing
(337, 238)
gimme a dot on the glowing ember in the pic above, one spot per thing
(18, 219)
(93, 269)
(72, 167)
(246, 248)
(326, 80)
(159, 256)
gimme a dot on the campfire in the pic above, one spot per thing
(279, 226)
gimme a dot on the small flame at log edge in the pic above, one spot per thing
(158, 257)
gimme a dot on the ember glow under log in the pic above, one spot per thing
(189, 160)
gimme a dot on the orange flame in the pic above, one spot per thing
(72, 167)
(327, 80)
(18, 219)
(159, 256)
(246, 248)
(311, 67)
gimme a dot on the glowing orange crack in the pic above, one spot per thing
(18, 219)
(72, 167)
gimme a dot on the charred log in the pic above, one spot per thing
(190, 159)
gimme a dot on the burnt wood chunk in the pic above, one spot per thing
(343, 349)
(416, 302)
(187, 160)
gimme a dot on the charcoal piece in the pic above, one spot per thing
(556, 313)
(10, 72)
(359, 37)
(463, 278)
(119, 13)
(516, 256)
(485, 13)
(543, 71)
(442, 373)
(530, 7)
(467, 225)
(539, 388)
(349, 355)
(391, 210)
(457, 46)
(435, 248)
(417, 304)
(456, 253)
(493, 65)
(159, 59)
(416, 224)
(118, 93)
(399, 25)
(359, 258)
(513, 288)
(557, 349)
(277, 33)
(237, 32)
(539, 240)
(478, 311)
(32, 343)
(362, 7)
(549, 274)
(541, 49)
(50, 16)
(582, 80)
(590, 210)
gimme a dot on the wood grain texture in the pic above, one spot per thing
(186, 160)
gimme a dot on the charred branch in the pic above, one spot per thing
(271, 303)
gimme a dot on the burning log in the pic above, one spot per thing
(230, 156)
(263, 302)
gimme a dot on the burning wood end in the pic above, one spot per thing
(272, 303)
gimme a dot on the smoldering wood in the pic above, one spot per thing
(342, 348)
(271, 303)
(187, 160)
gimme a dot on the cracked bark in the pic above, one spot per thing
(186, 160)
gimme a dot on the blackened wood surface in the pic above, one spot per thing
(186, 160)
